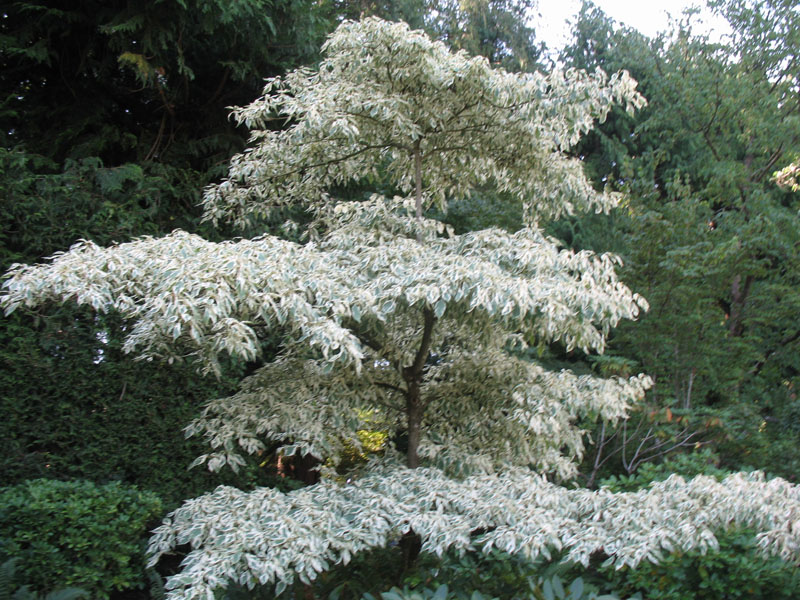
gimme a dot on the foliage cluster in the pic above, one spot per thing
(543, 589)
(493, 575)
(706, 235)
(733, 571)
(49, 206)
(464, 576)
(130, 81)
(700, 462)
(77, 534)
(139, 92)
(11, 588)
(91, 423)
(452, 576)
(74, 406)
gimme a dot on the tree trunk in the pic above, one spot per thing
(413, 376)
(414, 412)
(418, 179)
(739, 294)
(411, 543)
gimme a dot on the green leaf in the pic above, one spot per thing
(558, 588)
(576, 589)
(547, 590)
(439, 308)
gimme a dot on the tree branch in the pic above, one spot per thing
(425, 344)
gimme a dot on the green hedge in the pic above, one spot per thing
(68, 415)
(76, 533)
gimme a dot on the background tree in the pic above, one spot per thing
(127, 81)
(497, 29)
(387, 315)
(707, 236)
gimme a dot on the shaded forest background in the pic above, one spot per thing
(113, 117)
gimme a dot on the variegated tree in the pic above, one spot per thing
(390, 320)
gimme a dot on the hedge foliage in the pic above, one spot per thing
(77, 534)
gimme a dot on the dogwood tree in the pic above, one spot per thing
(390, 320)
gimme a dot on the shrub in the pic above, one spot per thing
(735, 571)
(544, 589)
(7, 584)
(77, 534)
(453, 576)
(75, 406)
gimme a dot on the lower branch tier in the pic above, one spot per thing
(270, 538)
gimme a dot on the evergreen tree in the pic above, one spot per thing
(708, 237)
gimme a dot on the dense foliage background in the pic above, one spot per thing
(113, 117)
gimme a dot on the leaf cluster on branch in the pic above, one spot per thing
(268, 537)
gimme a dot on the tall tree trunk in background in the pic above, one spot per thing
(739, 293)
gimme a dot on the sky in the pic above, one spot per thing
(648, 16)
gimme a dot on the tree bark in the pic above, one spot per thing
(413, 373)
(418, 179)
(413, 377)
(739, 294)
(411, 543)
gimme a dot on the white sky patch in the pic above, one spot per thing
(648, 16)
